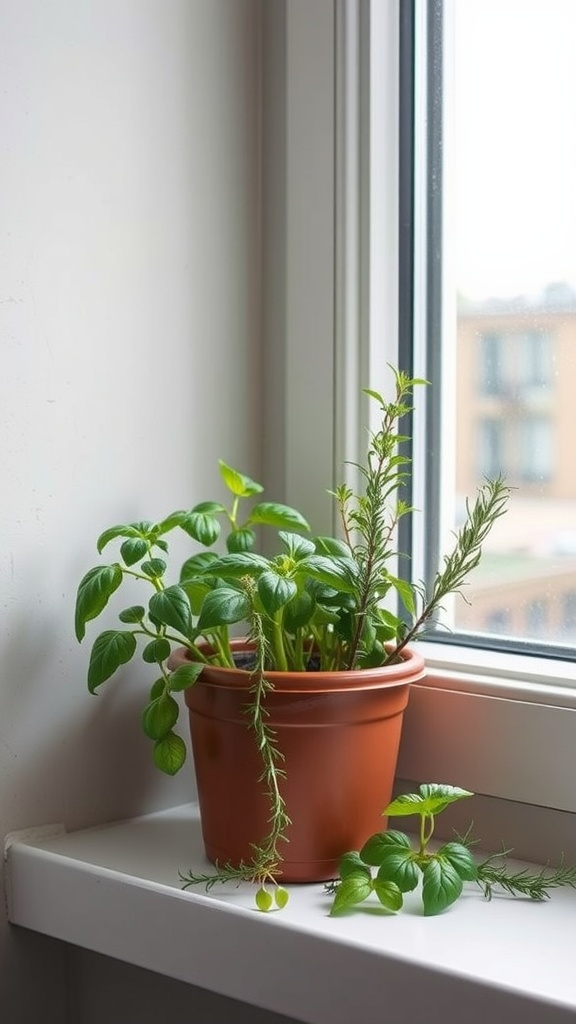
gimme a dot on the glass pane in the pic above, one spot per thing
(510, 92)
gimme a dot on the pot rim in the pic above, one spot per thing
(410, 669)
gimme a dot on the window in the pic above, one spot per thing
(493, 717)
(496, 217)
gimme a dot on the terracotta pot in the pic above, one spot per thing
(339, 733)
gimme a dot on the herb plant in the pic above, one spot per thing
(321, 593)
(389, 865)
(319, 602)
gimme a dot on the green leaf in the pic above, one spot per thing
(406, 593)
(331, 546)
(222, 607)
(337, 572)
(240, 540)
(170, 753)
(156, 651)
(133, 614)
(441, 885)
(197, 564)
(242, 563)
(133, 530)
(272, 513)
(437, 796)
(110, 650)
(299, 611)
(240, 485)
(154, 568)
(214, 508)
(352, 864)
(296, 545)
(196, 592)
(399, 866)
(389, 894)
(171, 607)
(388, 626)
(378, 846)
(461, 859)
(275, 591)
(169, 523)
(133, 550)
(184, 676)
(355, 888)
(201, 526)
(431, 799)
(158, 688)
(159, 717)
(94, 592)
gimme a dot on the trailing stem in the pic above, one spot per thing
(265, 864)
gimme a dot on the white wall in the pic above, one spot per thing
(129, 335)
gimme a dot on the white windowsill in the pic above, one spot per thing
(115, 890)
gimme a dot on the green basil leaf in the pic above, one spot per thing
(110, 650)
(240, 485)
(170, 753)
(196, 592)
(154, 568)
(159, 716)
(296, 545)
(461, 859)
(184, 676)
(378, 846)
(197, 564)
(158, 688)
(240, 540)
(133, 614)
(201, 526)
(399, 866)
(441, 885)
(389, 894)
(275, 591)
(337, 572)
(355, 888)
(132, 530)
(272, 513)
(331, 546)
(405, 591)
(221, 607)
(133, 550)
(94, 592)
(242, 563)
(431, 799)
(299, 611)
(352, 864)
(156, 651)
(171, 607)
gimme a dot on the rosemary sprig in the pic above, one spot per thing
(489, 506)
(371, 517)
(536, 885)
(265, 864)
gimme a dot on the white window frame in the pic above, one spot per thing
(502, 725)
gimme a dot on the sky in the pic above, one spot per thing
(514, 171)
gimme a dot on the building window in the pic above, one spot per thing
(491, 377)
(536, 453)
(492, 448)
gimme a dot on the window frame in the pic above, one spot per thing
(475, 720)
